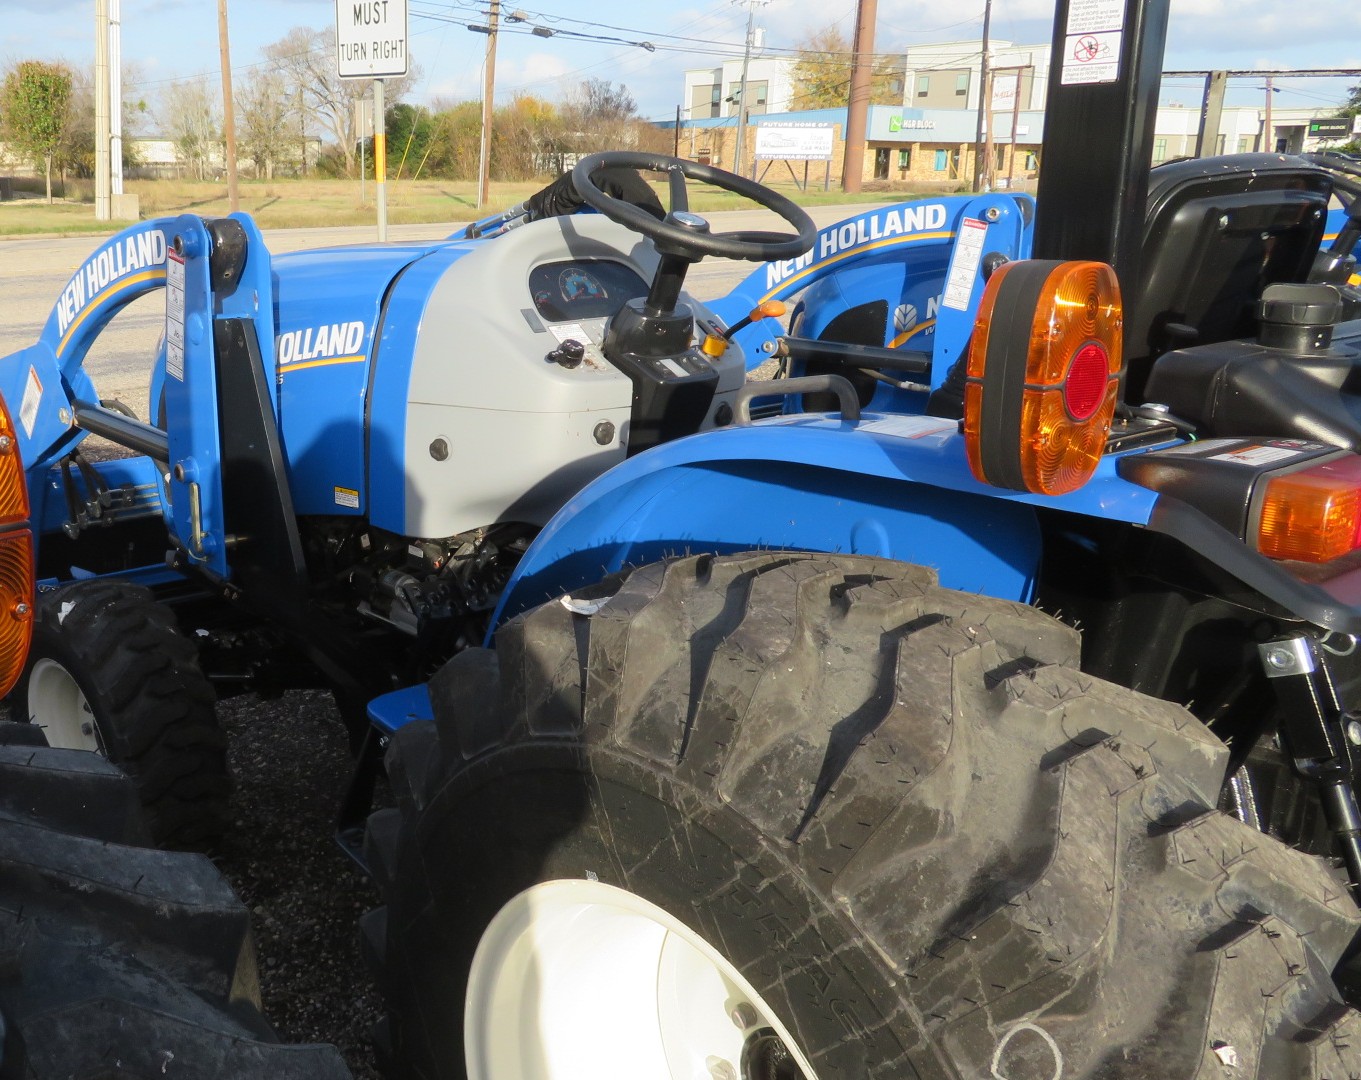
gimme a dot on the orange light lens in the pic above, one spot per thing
(16, 605)
(13, 491)
(1059, 453)
(1313, 515)
(16, 559)
(1071, 339)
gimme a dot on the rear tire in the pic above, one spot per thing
(931, 846)
(120, 959)
(109, 671)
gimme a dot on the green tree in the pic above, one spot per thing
(410, 133)
(822, 73)
(35, 106)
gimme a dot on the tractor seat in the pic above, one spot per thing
(1218, 232)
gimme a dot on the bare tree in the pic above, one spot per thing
(601, 116)
(268, 120)
(306, 57)
(191, 117)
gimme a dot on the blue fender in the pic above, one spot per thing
(893, 486)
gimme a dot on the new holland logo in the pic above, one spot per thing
(113, 265)
(313, 346)
(839, 240)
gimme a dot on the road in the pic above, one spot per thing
(34, 271)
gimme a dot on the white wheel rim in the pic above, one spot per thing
(57, 704)
(578, 979)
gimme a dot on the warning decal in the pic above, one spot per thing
(1091, 52)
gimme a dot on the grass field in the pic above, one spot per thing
(304, 203)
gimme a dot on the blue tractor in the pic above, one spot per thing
(973, 699)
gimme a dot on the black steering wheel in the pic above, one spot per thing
(683, 233)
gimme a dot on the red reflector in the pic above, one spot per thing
(1085, 387)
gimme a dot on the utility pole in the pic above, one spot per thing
(228, 106)
(102, 184)
(488, 95)
(1268, 135)
(862, 68)
(739, 156)
(989, 141)
(115, 106)
(982, 97)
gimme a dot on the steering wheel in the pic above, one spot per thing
(683, 233)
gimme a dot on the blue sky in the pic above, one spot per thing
(172, 39)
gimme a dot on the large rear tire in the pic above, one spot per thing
(119, 959)
(109, 671)
(869, 824)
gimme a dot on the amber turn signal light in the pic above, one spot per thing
(16, 558)
(1313, 515)
(1043, 374)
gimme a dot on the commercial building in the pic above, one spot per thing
(930, 139)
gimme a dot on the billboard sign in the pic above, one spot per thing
(806, 141)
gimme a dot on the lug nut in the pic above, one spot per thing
(743, 1015)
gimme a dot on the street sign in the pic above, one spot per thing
(371, 39)
(1339, 128)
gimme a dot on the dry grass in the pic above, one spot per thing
(304, 203)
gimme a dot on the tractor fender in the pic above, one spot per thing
(892, 486)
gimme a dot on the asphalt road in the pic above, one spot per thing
(34, 271)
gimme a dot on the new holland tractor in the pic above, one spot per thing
(972, 700)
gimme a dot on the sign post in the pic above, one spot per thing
(371, 37)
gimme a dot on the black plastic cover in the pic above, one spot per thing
(1244, 388)
(1219, 476)
(1219, 231)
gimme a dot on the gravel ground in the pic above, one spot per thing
(291, 765)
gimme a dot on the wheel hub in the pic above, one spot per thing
(57, 704)
(577, 971)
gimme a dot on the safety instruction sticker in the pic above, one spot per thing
(911, 427)
(28, 408)
(964, 264)
(347, 497)
(1091, 49)
(174, 316)
(1259, 455)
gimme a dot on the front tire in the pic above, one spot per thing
(109, 671)
(925, 844)
(120, 959)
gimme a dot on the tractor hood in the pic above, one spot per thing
(328, 306)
